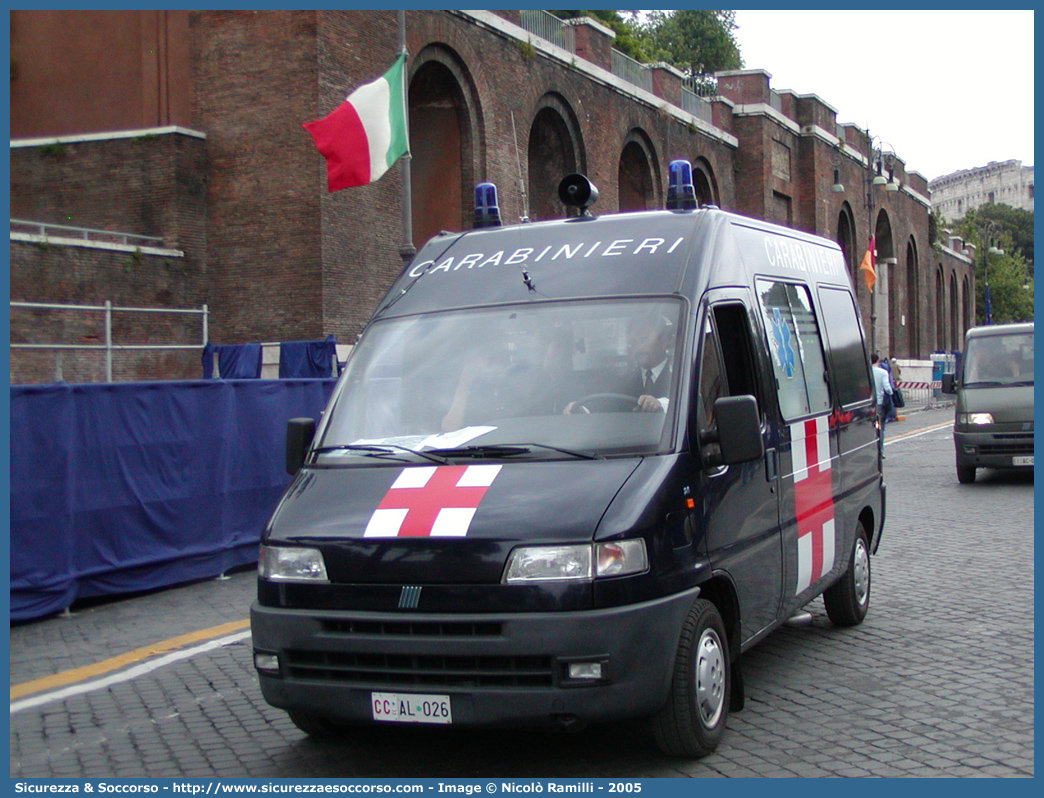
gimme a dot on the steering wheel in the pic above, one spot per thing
(606, 403)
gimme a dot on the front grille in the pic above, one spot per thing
(420, 670)
(412, 628)
(1015, 444)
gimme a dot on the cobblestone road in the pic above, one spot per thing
(938, 681)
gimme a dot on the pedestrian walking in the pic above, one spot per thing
(883, 394)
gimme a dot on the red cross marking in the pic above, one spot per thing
(423, 504)
(814, 495)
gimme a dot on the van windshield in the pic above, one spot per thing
(999, 360)
(544, 380)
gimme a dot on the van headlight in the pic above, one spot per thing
(291, 564)
(974, 419)
(576, 563)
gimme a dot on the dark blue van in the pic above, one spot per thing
(571, 472)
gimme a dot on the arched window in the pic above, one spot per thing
(443, 115)
(704, 183)
(554, 152)
(636, 174)
(845, 238)
(940, 311)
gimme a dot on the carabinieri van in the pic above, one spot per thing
(571, 472)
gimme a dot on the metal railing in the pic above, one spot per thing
(696, 105)
(550, 28)
(628, 69)
(109, 347)
(46, 229)
(702, 85)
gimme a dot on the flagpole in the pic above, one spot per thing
(407, 250)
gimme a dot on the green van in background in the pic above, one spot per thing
(994, 423)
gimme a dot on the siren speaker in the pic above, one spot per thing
(577, 191)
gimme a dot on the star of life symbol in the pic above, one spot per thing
(431, 501)
(813, 500)
(781, 337)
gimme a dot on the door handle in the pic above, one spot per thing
(770, 465)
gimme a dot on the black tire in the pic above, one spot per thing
(965, 474)
(848, 599)
(692, 721)
(316, 724)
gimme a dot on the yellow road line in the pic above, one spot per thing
(913, 432)
(115, 663)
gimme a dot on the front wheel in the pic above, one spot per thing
(692, 721)
(965, 474)
(848, 599)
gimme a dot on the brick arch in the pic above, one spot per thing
(705, 183)
(845, 238)
(637, 183)
(446, 142)
(940, 312)
(555, 150)
(913, 315)
(967, 308)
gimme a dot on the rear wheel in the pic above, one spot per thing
(316, 724)
(848, 599)
(692, 721)
(965, 474)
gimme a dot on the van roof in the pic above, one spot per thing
(1000, 329)
(623, 254)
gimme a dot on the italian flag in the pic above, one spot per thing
(365, 134)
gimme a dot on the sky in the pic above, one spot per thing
(948, 90)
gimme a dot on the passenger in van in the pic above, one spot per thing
(883, 393)
(648, 377)
(491, 385)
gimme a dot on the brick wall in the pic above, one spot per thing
(276, 257)
(72, 275)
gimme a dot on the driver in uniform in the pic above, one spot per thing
(649, 377)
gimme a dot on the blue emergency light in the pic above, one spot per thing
(681, 194)
(487, 211)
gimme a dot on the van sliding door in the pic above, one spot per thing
(814, 542)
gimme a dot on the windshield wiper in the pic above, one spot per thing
(377, 450)
(510, 450)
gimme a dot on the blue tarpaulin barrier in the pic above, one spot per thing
(307, 358)
(126, 487)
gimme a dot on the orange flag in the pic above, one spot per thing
(867, 266)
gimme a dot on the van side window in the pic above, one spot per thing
(727, 363)
(712, 377)
(797, 350)
(733, 327)
(848, 359)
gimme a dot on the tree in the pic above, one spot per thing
(696, 41)
(628, 39)
(1010, 276)
(1016, 221)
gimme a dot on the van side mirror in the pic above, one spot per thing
(948, 383)
(738, 433)
(299, 434)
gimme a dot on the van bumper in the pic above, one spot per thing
(498, 670)
(994, 449)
